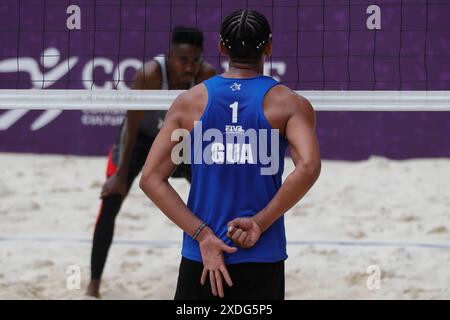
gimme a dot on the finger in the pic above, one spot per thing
(218, 276)
(234, 223)
(242, 238)
(236, 235)
(226, 275)
(248, 242)
(231, 230)
(212, 280)
(231, 234)
(203, 278)
(228, 249)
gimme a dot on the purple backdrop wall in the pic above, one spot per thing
(318, 45)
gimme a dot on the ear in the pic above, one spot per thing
(268, 49)
(223, 51)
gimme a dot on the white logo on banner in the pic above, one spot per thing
(10, 117)
(57, 69)
(49, 60)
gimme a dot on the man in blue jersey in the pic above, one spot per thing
(233, 222)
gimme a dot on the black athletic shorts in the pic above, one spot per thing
(251, 281)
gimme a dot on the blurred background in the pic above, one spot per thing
(318, 45)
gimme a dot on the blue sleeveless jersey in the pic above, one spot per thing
(227, 182)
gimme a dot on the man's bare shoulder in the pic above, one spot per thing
(206, 71)
(281, 95)
(194, 96)
(148, 77)
(282, 104)
(189, 105)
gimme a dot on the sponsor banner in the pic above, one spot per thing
(57, 45)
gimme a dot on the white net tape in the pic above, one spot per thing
(162, 99)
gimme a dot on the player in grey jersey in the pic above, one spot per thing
(180, 69)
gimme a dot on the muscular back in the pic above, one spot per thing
(279, 104)
(285, 110)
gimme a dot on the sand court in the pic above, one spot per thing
(374, 229)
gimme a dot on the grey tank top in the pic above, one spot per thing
(153, 120)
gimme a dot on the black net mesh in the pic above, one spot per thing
(320, 45)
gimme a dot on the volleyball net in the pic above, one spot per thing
(343, 55)
(317, 45)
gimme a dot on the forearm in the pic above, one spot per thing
(292, 190)
(127, 142)
(132, 121)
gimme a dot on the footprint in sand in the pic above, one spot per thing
(130, 266)
(132, 216)
(439, 229)
(4, 191)
(42, 264)
(35, 205)
(132, 253)
(357, 278)
(20, 174)
(65, 190)
(97, 184)
(401, 253)
(356, 234)
(408, 218)
(391, 274)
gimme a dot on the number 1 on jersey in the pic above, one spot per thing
(234, 106)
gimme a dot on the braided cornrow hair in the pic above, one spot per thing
(245, 33)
